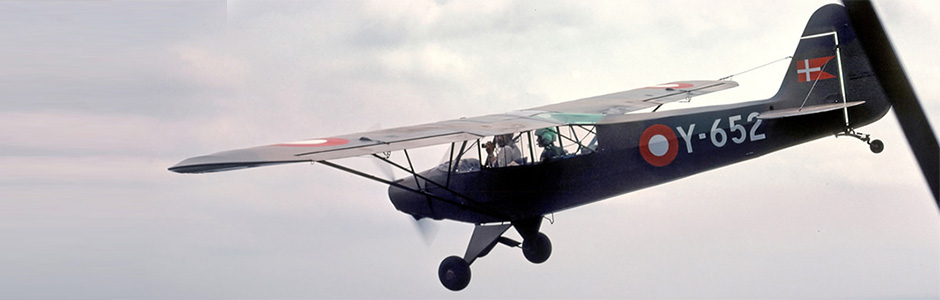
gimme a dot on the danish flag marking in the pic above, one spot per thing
(811, 69)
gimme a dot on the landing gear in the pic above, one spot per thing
(454, 273)
(537, 249)
(876, 146)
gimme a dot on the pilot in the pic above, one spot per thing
(490, 155)
(546, 139)
(509, 154)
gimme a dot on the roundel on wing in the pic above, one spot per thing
(658, 145)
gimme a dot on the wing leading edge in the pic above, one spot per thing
(637, 99)
(582, 111)
(365, 143)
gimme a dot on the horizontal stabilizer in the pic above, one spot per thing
(808, 110)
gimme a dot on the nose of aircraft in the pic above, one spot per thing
(408, 201)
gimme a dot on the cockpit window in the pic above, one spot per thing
(465, 165)
(538, 146)
(504, 151)
(520, 148)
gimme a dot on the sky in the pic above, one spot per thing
(97, 99)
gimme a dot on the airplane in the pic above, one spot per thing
(512, 170)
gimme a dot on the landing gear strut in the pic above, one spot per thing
(454, 271)
(875, 145)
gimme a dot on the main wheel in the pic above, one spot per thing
(876, 146)
(454, 273)
(537, 249)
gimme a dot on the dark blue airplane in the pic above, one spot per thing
(512, 169)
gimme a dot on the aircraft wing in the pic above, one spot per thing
(637, 99)
(583, 111)
(366, 143)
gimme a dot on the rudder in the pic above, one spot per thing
(813, 77)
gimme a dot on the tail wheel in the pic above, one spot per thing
(876, 146)
(537, 248)
(454, 273)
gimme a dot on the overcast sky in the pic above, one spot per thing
(97, 99)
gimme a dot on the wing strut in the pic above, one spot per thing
(450, 169)
(477, 207)
(427, 180)
(577, 140)
(412, 168)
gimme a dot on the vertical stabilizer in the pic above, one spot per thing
(814, 76)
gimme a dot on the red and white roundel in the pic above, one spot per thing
(658, 145)
(317, 143)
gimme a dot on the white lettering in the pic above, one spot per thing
(718, 132)
(754, 135)
(737, 127)
(687, 136)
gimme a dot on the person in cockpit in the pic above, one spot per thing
(546, 139)
(509, 154)
(490, 155)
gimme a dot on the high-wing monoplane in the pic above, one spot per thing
(510, 170)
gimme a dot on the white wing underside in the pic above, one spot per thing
(583, 111)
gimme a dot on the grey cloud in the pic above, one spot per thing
(96, 57)
(88, 206)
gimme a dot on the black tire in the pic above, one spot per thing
(876, 146)
(454, 273)
(537, 249)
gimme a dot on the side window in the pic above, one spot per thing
(565, 142)
(505, 150)
(537, 146)
(465, 154)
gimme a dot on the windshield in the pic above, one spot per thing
(521, 148)
(465, 165)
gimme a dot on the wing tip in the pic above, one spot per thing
(220, 167)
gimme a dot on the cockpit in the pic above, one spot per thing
(521, 148)
(465, 165)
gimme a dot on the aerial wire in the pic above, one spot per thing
(755, 68)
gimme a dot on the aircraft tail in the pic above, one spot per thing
(813, 79)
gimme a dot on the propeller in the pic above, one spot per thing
(897, 87)
(428, 230)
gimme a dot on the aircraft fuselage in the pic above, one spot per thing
(635, 151)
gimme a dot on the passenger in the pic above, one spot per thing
(546, 139)
(509, 154)
(490, 155)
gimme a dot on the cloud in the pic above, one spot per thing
(102, 97)
(212, 70)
